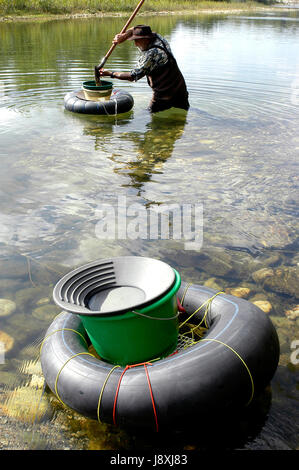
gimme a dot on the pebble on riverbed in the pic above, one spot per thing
(7, 341)
(6, 307)
(264, 305)
(212, 283)
(293, 313)
(283, 280)
(27, 404)
(242, 292)
(45, 312)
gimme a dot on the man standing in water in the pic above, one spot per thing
(158, 64)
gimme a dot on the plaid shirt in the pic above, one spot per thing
(151, 59)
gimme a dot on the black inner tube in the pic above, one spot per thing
(235, 360)
(120, 102)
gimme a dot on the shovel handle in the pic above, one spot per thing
(101, 65)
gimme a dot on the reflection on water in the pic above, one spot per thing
(235, 152)
(150, 149)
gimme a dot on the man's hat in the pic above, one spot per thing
(142, 31)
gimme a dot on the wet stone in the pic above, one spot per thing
(26, 404)
(293, 313)
(45, 312)
(43, 301)
(6, 307)
(273, 260)
(6, 341)
(283, 280)
(212, 283)
(219, 263)
(242, 292)
(262, 274)
(23, 327)
(27, 297)
(264, 305)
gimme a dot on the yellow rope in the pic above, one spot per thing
(242, 360)
(102, 390)
(61, 329)
(192, 329)
(57, 377)
(185, 292)
(208, 304)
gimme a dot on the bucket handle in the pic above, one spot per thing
(156, 318)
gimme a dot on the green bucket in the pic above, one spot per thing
(93, 92)
(137, 335)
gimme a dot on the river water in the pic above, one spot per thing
(232, 161)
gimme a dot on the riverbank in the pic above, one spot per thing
(208, 7)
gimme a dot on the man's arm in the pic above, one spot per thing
(118, 75)
(118, 39)
(121, 37)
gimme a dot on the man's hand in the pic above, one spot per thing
(121, 37)
(105, 73)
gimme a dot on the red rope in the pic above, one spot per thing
(116, 393)
(172, 354)
(152, 397)
(180, 307)
(150, 389)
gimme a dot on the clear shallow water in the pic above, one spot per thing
(235, 155)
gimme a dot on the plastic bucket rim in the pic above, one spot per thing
(167, 296)
(91, 85)
(149, 308)
(59, 300)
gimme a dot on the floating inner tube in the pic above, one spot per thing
(217, 371)
(120, 102)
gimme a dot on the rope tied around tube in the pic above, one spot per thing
(144, 364)
(187, 342)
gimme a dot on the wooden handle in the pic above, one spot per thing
(123, 30)
(132, 16)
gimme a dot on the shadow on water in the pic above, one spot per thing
(228, 431)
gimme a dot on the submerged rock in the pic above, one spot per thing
(242, 292)
(6, 307)
(26, 298)
(262, 274)
(23, 326)
(27, 404)
(215, 263)
(43, 301)
(293, 313)
(283, 280)
(273, 260)
(264, 305)
(7, 341)
(212, 283)
(45, 312)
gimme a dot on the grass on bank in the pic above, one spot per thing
(23, 7)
